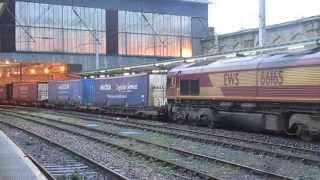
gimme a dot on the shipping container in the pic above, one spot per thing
(68, 92)
(3, 93)
(157, 90)
(125, 91)
(30, 92)
(9, 91)
(25, 92)
(42, 91)
(88, 91)
(131, 91)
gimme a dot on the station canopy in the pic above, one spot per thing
(197, 1)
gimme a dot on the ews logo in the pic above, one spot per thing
(231, 79)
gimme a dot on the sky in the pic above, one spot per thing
(234, 15)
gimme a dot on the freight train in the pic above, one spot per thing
(274, 92)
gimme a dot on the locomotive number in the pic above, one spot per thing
(271, 78)
(231, 79)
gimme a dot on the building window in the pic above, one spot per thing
(248, 43)
(151, 34)
(56, 28)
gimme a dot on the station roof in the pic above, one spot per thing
(164, 66)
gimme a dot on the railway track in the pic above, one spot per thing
(73, 165)
(66, 126)
(286, 152)
(43, 169)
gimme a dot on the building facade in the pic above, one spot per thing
(121, 32)
(289, 32)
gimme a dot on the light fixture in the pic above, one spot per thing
(32, 71)
(190, 60)
(296, 47)
(155, 71)
(250, 53)
(232, 55)
(46, 70)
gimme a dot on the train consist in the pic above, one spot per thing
(275, 92)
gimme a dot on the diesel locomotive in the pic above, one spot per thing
(281, 90)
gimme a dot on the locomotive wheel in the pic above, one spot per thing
(212, 124)
(209, 119)
(304, 134)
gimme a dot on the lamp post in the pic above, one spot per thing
(97, 47)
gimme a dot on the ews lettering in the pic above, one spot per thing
(231, 79)
(271, 78)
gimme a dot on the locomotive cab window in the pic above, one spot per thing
(171, 82)
(189, 87)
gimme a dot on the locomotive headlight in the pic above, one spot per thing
(295, 47)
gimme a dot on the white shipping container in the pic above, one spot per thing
(157, 90)
(42, 91)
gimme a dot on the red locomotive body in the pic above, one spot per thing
(283, 88)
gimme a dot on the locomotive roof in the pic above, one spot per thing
(282, 60)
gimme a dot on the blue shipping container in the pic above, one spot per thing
(68, 92)
(88, 91)
(128, 91)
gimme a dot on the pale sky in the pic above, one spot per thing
(233, 15)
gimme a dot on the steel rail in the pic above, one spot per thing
(43, 170)
(253, 147)
(177, 150)
(115, 175)
(125, 149)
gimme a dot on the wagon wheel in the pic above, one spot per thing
(304, 133)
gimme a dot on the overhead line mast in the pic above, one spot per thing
(262, 22)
